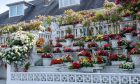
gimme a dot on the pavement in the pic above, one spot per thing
(2, 81)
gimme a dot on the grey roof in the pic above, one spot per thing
(52, 9)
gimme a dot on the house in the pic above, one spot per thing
(25, 11)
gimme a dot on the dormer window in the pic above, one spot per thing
(66, 3)
(16, 10)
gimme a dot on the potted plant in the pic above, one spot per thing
(58, 45)
(67, 59)
(84, 54)
(127, 31)
(127, 66)
(117, 59)
(75, 66)
(122, 43)
(135, 56)
(87, 41)
(92, 45)
(57, 62)
(69, 36)
(103, 53)
(114, 40)
(68, 50)
(47, 57)
(57, 53)
(75, 46)
(107, 47)
(98, 61)
(100, 40)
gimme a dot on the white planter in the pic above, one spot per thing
(117, 63)
(136, 59)
(86, 69)
(99, 65)
(114, 43)
(128, 36)
(68, 42)
(47, 61)
(75, 48)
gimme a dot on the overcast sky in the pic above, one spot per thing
(3, 3)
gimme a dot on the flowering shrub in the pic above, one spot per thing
(58, 45)
(47, 55)
(116, 57)
(56, 61)
(57, 50)
(67, 58)
(40, 42)
(84, 53)
(75, 65)
(69, 36)
(127, 65)
(107, 46)
(68, 50)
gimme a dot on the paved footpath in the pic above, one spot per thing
(2, 81)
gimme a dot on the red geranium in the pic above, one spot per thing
(135, 51)
(99, 60)
(107, 46)
(114, 36)
(58, 45)
(56, 61)
(68, 50)
(4, 46)
(69, 36)
(84, 53)
(75, 65)
(102, 53)
(57, 50)
(47, 55)
(106, 37)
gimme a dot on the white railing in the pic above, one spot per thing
(73, 78)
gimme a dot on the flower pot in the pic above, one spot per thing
(114, 43)
(117, 63)
(99, 65)
(82, 57)
(75, 48)
(47, 61)
(136, 59)
(68, 42)
(128, 36)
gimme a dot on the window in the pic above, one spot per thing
(65, 3)
(16, 10)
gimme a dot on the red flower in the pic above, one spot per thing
(84, 53)
(47, 56)
(68, 50)
(114, 36)
(57, 50)
(113, 57)
(76, 65)
(102, 53)
(4, 46)
(106, 37)
(56, 61)
(134, 51)
(58, 45)
(107, 46)
(99, 60)
(69, 36)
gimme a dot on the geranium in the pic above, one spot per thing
(116, 57)
(86, 62)
(69, 36)
(106, 37)
(102, 53)
(68, 50)
(58, 45)
(75, 65)
(57, 50)
(107, 46)
(127, 30)
(56, 61)
(135, 51)
(47, 55)
(114, 36)
(84, 53)
(67, 58)
(98, 60)
(122, 43)
(4, 46)
(92, 44)
(127, 65)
